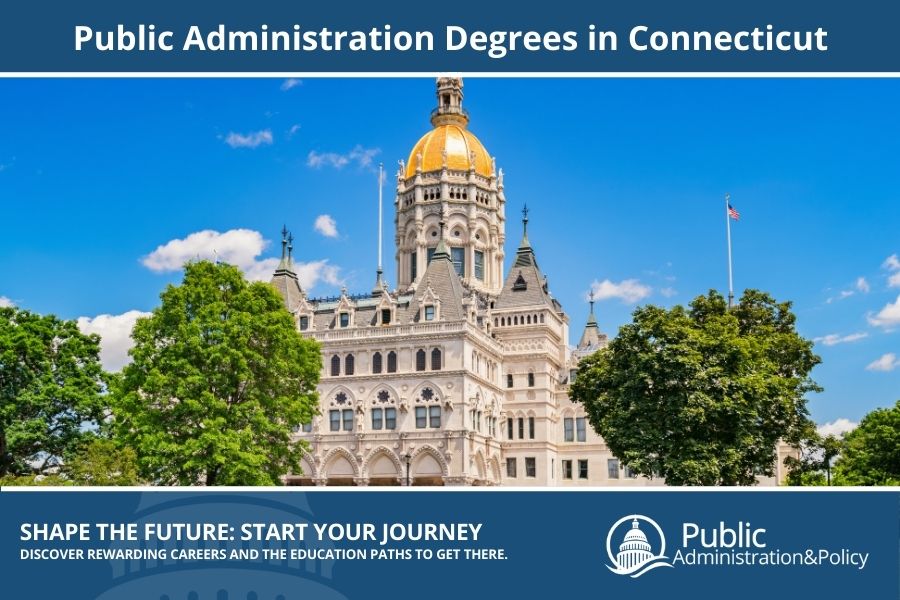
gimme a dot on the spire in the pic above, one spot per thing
(525, 242)
(591, 319)
(290, 250)
(449, 110)
(591, 339)
(284, 265)
(525, 253)
(441, 250)
(285, 279)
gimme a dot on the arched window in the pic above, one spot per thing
(530, 379)
(436, 360)
(529, 319)
(392, 362)
(542, 317)
(349, 363)
(335, 365)
(376, 362)
(420, 360)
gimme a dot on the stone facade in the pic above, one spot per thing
(460, 376)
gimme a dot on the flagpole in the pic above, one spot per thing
(380, 226)
(728, 232)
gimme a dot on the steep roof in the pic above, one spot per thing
(525, 285)
(441, 277)
(285, 279)
(287, 284)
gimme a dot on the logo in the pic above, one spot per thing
(635, 556)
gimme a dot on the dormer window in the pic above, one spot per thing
(344, 319)
(429, 312)
(385, 316)
(304, 323)
(520, 284)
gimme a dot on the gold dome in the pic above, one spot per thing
(458, 142)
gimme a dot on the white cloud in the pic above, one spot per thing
(239, 247)
(844, 294)
(293, 130)
(838, 427)
(313, 272)
(862, 285)
(250, 140)
(326, 225)
(362, 157)
(289, 84)
(628, 291)
(887, 317)
(887, 362)
(260, 270)
(6, 302)
(668, 292)
(115, 336)
(892, 263)
(833, 339)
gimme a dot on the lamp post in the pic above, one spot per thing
(408, 458)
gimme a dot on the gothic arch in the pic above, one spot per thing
(373, 395)
(329, 397)
(458, 222)
(332, 457)
(481, 470)
(494, 469)
(438, 394)
(382, 451)
(308, 465)
(416, 461)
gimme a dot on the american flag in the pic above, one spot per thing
(733, 213)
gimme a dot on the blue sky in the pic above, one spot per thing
(624, 179)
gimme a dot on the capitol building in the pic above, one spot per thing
(460, 374)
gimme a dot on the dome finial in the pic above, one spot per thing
(592, 311)
(290, 248)
(284, 242)
(449, 110)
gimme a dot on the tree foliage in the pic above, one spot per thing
(815, 463)
(701, 395)
(871, 453)
(51, 385)
(220, 377)
(98, 461)
(102, 461)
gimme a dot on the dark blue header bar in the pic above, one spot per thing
(438, 544)
(462, 36)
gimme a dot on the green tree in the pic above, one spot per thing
(102, 461)
(701, 395)
(51, 385)
(815, 464)
(871, 454)
(219, 378)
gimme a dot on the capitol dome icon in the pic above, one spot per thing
(635, 550)
(636, 556)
